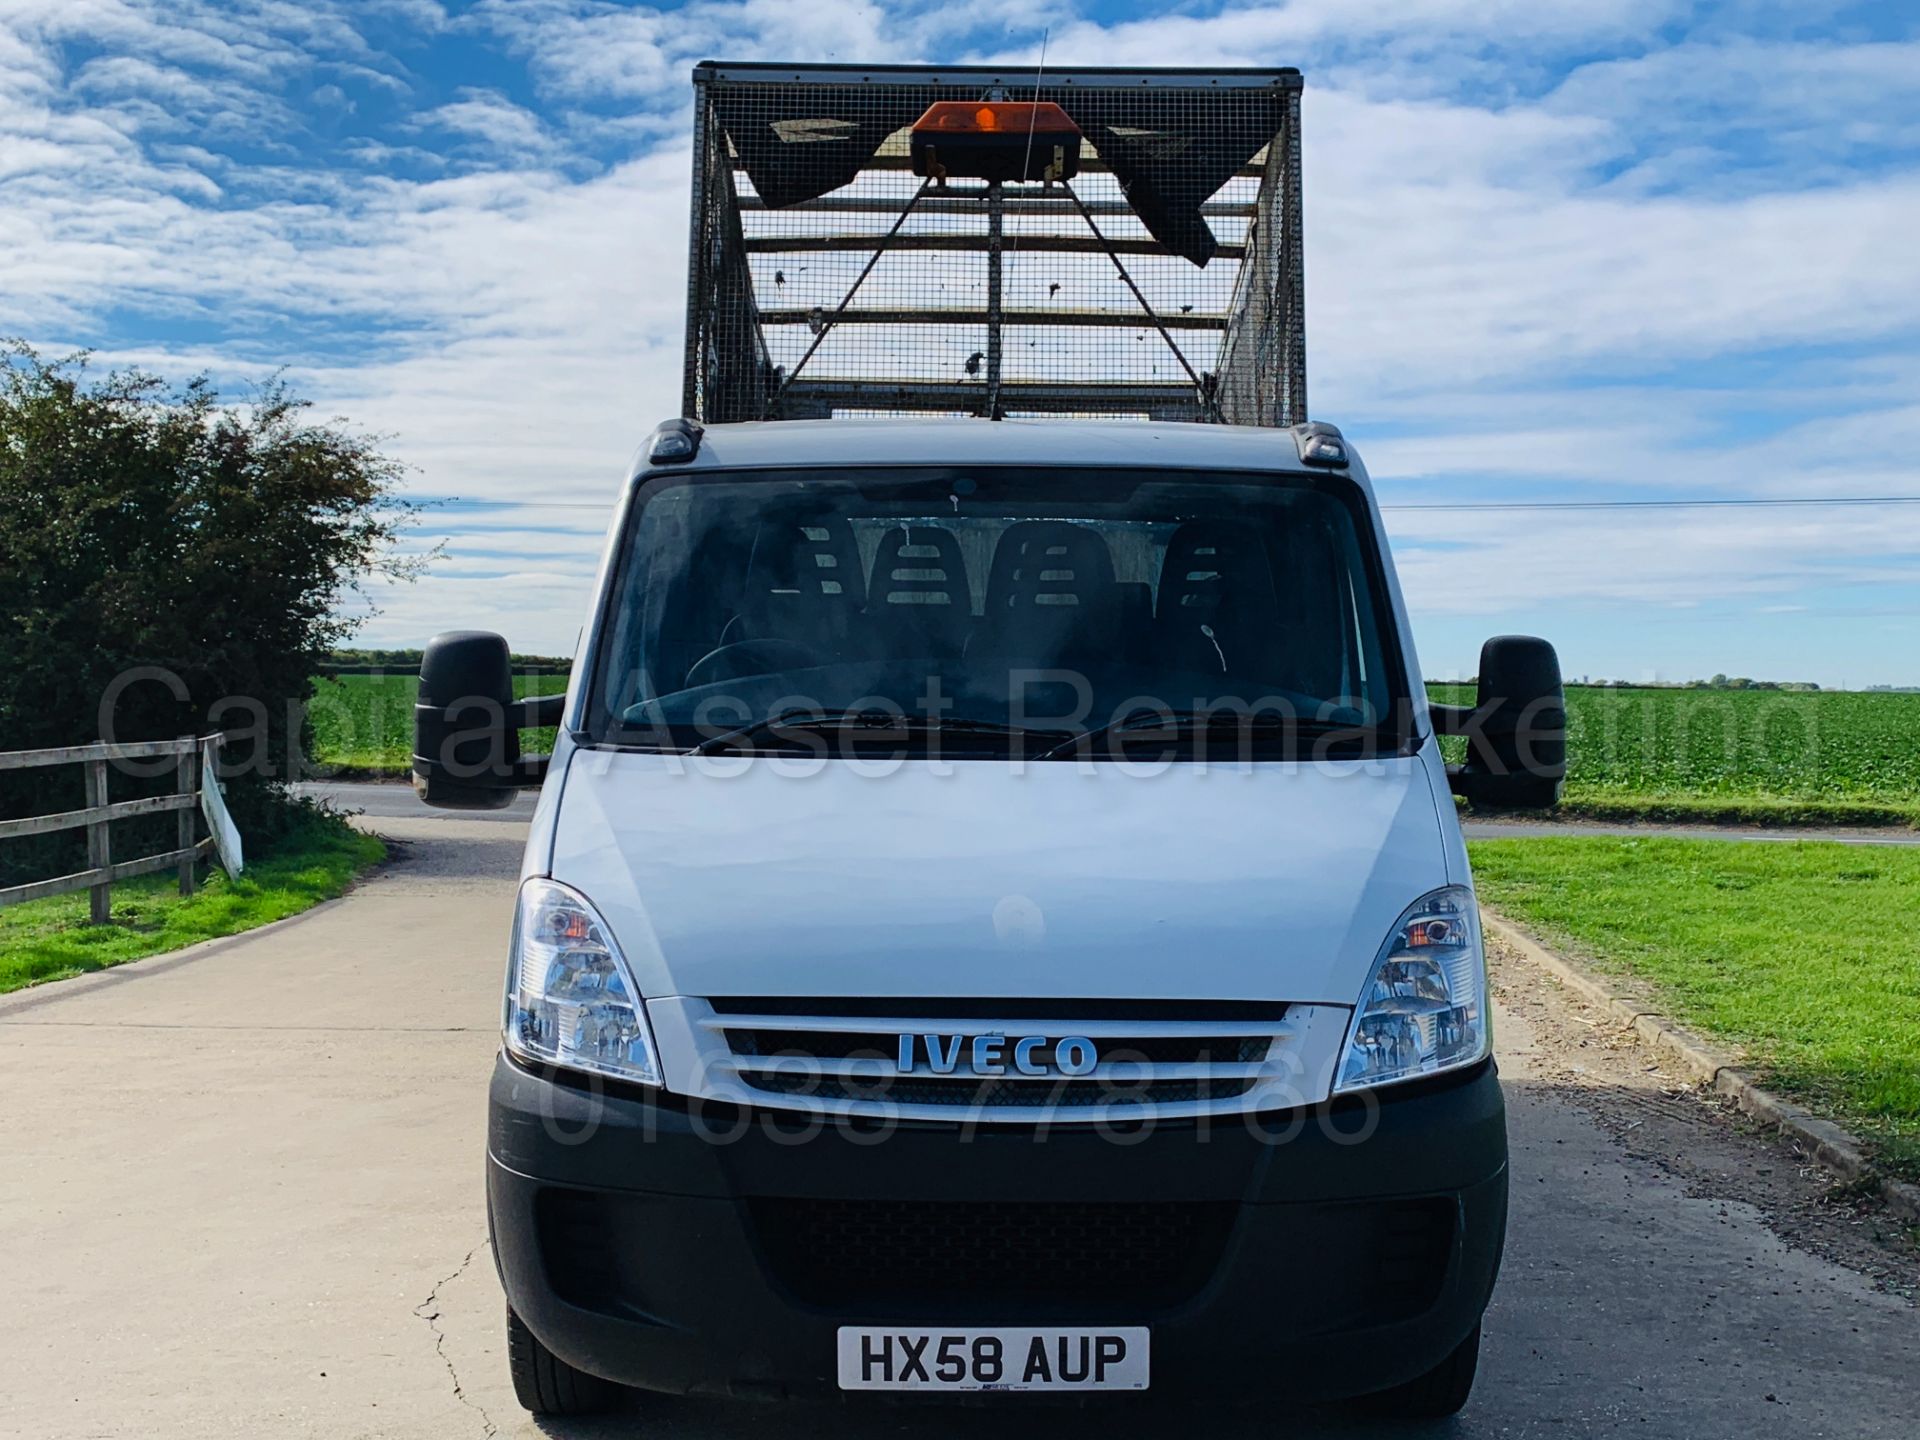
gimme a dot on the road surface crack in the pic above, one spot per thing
(429, 1311)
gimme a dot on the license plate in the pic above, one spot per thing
(999, 1359)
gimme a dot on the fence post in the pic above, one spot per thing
(183, 832)
(99, 844)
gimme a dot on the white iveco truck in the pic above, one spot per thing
(995, 917)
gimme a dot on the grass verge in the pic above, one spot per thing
(51, 939)
(1806, 956)
(1768, 811)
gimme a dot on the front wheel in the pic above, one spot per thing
(1442, 1391)
(545, 1384)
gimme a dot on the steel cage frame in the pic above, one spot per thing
(1167, 339)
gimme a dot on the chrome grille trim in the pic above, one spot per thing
(1119, 1071)
(984, 1024)
(1274, 1063)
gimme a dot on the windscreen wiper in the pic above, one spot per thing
(1262, 723)
(869, 720)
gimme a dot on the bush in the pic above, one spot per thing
(171, 565)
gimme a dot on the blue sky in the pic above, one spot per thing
(1589, 250)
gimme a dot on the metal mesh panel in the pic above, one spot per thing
(1263, 363)
(827, 279)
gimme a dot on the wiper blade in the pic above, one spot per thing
(1264, 722)
(805, 718)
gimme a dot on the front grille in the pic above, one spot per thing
(974, 1093)
(1153, 1056)
(1259, 1013)
(879, 1252)
(1150, 1060)
(816, 1045)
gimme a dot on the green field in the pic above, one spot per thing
(1806, 956)
(363, 724)
(51, 939)
(1740, 755)
(1761, 756)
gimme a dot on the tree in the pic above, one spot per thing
(172, 565)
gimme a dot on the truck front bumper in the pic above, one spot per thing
(1322, 1253)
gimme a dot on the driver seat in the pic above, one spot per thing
(1219, 609)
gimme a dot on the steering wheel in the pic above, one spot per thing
(741, 658)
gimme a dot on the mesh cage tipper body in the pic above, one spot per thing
(1157, 274)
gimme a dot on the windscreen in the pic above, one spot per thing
(998, 611)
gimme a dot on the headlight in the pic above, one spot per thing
(570, 999)
(1425, 1006)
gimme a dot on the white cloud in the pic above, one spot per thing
(612, 53)
(1482, 258)
(506, 133)
(1740, 112)
(1291, 33)
(1486, 563)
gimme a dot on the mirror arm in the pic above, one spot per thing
(1450, 719)
(537, 711)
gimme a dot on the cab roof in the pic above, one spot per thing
(963, 441)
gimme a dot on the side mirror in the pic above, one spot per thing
(1517, 732)
(466, 725)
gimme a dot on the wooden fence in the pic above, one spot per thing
(193, 766)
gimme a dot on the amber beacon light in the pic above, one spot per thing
(996, 140)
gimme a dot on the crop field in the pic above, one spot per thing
(364, 723)
(1732, 755)
(1740, 754)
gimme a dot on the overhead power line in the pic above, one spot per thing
(1730, 501)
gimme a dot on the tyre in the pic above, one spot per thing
(1442, 1391)
(545, 1384)
(1517, 791)
(1529, 792)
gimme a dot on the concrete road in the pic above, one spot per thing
(394, 800)
(384, 801)
(241, 1198)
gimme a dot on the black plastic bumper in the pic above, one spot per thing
(719, 1253)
